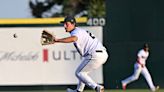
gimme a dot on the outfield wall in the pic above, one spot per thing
(24, 61)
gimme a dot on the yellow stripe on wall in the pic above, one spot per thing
(39, 20)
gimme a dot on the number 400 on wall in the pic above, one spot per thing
(96, 21)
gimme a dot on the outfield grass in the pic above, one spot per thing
(128, 90)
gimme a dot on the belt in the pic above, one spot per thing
(99, 51)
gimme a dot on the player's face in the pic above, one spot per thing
(146, 49)
(69, 26)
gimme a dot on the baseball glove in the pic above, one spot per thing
(47, 38)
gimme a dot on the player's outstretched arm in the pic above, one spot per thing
(66, 40)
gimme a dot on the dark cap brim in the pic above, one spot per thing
(69, 19)
(62, 22)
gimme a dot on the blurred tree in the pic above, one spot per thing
(38, 7)
(77, 8)
(96, 8)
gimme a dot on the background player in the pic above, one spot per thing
(90, 48)
(140, 68)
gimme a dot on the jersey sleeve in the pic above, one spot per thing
(75, 33)
(139, 54)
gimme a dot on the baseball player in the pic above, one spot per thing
(140, 68)
(90, 48)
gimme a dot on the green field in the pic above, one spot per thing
(129, 90)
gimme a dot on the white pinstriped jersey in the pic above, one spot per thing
(143, 56)
(86, 42)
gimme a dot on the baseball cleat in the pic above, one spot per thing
(100, 88)
(123, 86)
(156, 88)
(71, 90)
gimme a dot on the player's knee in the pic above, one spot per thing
(135, 77)
(80, 74)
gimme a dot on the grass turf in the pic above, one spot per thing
(115, 90)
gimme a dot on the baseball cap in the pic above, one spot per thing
(69, 19)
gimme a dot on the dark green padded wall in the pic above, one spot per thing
(130, 23)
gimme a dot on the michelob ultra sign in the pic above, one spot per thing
(24, 61)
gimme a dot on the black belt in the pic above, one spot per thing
(99, 51)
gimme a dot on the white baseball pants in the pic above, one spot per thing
(137, 71)
(88, 64)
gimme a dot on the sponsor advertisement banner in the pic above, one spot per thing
(24, 61)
